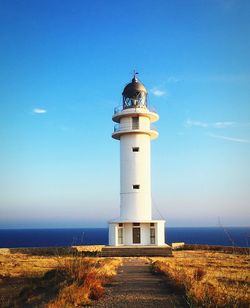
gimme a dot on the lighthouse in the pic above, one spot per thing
(134, 131)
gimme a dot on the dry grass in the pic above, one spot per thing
(90, 248)
(55, 281)
(86, 279)
(22, 265)
(210, 279)
(19, 272)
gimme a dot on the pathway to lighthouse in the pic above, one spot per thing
(136, 286)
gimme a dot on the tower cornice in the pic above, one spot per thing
(131, 112)
(119, 131)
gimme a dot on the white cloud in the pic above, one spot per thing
(39, 110)
(221, 124)
(224, 124)
(190, 123)
(240, 140)
(158, 92)
(172, 79)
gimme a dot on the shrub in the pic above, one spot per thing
(87, 277)
(199, 273)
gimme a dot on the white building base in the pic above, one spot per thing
(143, 233)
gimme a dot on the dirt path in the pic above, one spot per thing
(136, 286)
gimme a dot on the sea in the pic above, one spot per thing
(13, 238)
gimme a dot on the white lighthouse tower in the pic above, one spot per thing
(135, 225)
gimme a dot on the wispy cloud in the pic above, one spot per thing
(39, 110)
(191, 123)
(172, 79)
(220, 124)
(240, 140)
(158, 91)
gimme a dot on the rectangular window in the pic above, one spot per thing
(136, 224)
(136, 235)
(152, 224)
(135, 123)
(152, 235)
(135, 149)
(136, 186)
(120, 225)
(120, 236)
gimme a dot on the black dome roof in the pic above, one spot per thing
(134, 88)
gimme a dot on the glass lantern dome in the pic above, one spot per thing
(134, 94)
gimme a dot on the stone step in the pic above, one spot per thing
(135, 252)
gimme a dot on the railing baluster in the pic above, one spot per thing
(119, 109)
(121, 128)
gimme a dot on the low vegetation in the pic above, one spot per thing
(52, 280)
(210, 279)
(90, 248)
(85, 280)
(47, 278)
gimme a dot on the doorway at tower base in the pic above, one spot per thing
(143, 233)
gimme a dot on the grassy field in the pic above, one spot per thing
(57, 278)
(51, 281)
(210, 279)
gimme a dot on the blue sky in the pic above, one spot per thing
(63, 67)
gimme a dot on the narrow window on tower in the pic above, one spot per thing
(135, 149)
(135, 123)
(136, 186)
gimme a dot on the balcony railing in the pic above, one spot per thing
(124, 128)
(119, 109)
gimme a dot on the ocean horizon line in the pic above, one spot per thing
(83, 227)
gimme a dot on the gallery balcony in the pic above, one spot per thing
(149, 112)
(120, 129)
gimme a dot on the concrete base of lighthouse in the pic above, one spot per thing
(143, 233)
